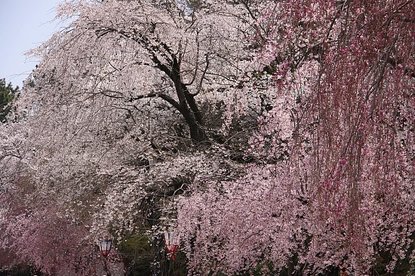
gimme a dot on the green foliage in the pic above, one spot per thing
(137, 254)
(176, 267)
(7, 94)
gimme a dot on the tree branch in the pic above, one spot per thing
(165, 97)
(199, 87)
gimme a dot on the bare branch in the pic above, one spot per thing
(199, 87)
(197, 58)
(165, 97)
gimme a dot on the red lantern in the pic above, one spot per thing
(105, 247)
(171, 240)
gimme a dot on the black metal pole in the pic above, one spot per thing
(106, 270)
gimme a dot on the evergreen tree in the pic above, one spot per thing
(7, 94)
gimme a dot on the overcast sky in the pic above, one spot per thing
(24, 24)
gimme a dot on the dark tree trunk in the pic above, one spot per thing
(188, 106)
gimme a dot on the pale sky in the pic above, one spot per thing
(24, 24)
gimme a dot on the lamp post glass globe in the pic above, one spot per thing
(105, 247)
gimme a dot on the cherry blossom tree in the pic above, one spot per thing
(339, 195)
(126, 91)
(145, 50)
(35, 232)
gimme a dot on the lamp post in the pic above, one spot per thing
(105, 248)
(171, 242)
